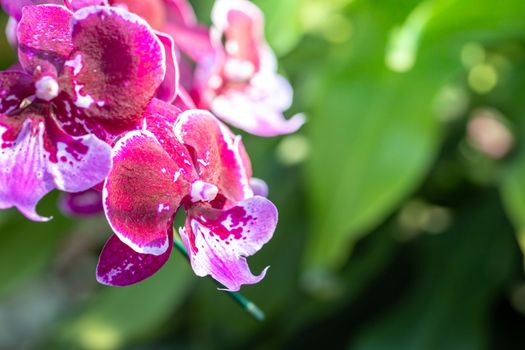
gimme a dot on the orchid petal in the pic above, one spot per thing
(242, 24)
(14, 7)
(86, 203)
(153, 11)
(15, 86)
(180, 12)
(37, 157)
(194, 41)
(121, 266)
(258, 115)
(259, 187)
(217, 153)
(11, 32)
(184, 100)
(116, 67)
(44, 38)
(219, 241)
(168, 90)
(160, 119)
(142, 192)
(75, 5)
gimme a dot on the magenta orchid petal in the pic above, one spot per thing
(256, 116)
(24, 183)
(194, 41)
(37, 157)
(184, 100)
(159, 119)
(11, 32)
(218, 154)
(117, 65)
(168, 90)
(86, 203)
(259, 187)
(180, 12)
(14, 7)
(219, 241)
(239, 82)
(121, 266)
(75, 5)
(243, 26)
(15, 86)
(142, 192)
(44, 38)
(153, 11)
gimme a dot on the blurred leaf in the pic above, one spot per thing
(7, 56)
(26, 247)
(378, 143)
(381, 135)
(117, 315)
(460, 272)
(283, 27)
(513, 194)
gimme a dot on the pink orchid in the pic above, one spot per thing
(238, 81)
(84, 78)
(184, 159)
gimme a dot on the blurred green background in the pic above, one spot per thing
(402, 201)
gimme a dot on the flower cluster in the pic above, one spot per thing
(102, 104)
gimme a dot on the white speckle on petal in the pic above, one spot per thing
(177, 175)
(76, 64)
(82, 101)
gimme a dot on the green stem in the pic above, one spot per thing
(240, 299)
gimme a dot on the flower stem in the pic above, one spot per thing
(240, 299)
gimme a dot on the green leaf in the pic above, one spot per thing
(26, 247)
(283, 27)
(373, 131)
(513, 194)
(118, 315)
(459, 274)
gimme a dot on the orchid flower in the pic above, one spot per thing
(84, 77)
(238, 81)
(191, 160)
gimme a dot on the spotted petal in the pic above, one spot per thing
(119, 265)
(142, 192)
(219, 241)
(37, 157)
(14, 7)
(44, 38)
(218, 154)
(117, 65)
(15, 86)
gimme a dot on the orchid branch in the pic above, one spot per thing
(250, 307)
